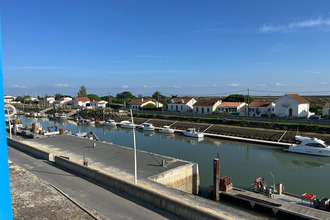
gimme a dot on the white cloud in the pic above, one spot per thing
(261, 85)
(294, 26)
(62, 85)
(19, 86)
(124, 86)
(324, 83)
(233, 85)
(279, 84)
(314, 72)
(176, 86)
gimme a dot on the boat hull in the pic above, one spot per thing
(315, 152)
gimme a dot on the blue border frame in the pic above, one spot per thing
(6, 211)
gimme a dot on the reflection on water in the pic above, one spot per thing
(307, 161)
(243, 162)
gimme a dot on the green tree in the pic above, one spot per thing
(238, 98)
(161, 98)
(58, 96)
(125, 96)
(94, 97)
(82, 92)
(19, 99)
(149, 105)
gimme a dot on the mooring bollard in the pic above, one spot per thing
(61, 131)
(34, 130)
(14, 126)
(94, 145)
(163, 163)
(216, 180)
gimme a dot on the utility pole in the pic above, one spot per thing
(248, 98)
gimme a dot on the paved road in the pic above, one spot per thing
(109, 203)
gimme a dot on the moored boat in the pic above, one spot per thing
(312, 146)
(127, 124)
(110, 122)
(166, 130)
(146, 127)
(191, 132)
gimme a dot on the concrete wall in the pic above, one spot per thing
(28, 149)
(160, 200)
(184, 178)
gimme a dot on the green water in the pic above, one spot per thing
(243, 162)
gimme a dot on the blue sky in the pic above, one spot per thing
(177, 47)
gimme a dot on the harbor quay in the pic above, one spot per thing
(165, 182)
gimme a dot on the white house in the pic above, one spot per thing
(206, 106)
(140, 103)
(81, 101)
(232, 108)
(181, 104)
(258, 109)
(292, 105)
(9, 99)
(99, 104)
(326, 109)
(47, 101)
(62, 101)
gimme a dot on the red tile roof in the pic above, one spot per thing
(179, 100)
(230, 104)
(327, 105)
(298, 98)
(83, 99)
(206, 102)
(260, 104)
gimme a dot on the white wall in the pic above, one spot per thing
(285, 103)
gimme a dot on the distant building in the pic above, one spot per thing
(238, 108)
(99, 104)
(63, 101)
(47, 101)
(258, 109)
(9, 99)
(81, 101)
(206, 106)
(326, 109)
(292, 105)
(140, 103)
(181, 104)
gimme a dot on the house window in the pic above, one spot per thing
(208, 109)
(272, 109)
(181, 107)
(171, 107)
(196, 109)
(269, 110)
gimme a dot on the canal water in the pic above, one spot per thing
(243, 162)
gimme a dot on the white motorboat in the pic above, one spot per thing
(146, 127)
(191, 132)
(60, 116)
(166, 129)
(110, 122)
(312, 146)
(127, 124)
